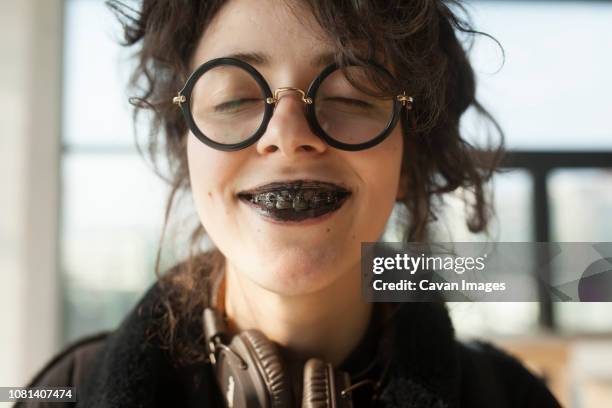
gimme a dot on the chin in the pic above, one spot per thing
(290, 274)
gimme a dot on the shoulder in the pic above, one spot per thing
(77, 364)
(489, 374)
(71, 367)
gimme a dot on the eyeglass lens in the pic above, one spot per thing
(348, 114)
(228, 106)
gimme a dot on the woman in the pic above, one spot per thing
(297, 126)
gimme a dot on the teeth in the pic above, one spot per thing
(299, 201)
(284, 200)
(308, 194)
(267, 199)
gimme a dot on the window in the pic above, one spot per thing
(107, 256)
(551, 94)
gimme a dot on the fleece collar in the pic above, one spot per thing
(131, 371)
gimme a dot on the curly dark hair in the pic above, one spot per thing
(418, 38)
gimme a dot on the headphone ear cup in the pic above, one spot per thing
(322, 386)
(265, 367)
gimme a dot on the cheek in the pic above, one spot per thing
(379, 170)
(382, 165)
(209, 174)
(200, 165)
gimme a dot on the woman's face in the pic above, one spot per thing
(299, 258)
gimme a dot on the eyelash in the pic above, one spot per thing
(350, 101)
(228, 105)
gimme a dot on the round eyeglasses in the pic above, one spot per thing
(228, 104)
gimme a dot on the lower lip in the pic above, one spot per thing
(305, 222)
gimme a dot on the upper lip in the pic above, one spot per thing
(294, 184)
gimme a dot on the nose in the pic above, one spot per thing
(288, 131)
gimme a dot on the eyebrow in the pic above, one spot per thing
(260, 58)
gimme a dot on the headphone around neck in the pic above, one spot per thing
(251, 372)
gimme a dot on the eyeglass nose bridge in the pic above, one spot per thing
(275, 98)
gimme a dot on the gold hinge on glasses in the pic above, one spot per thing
(179, 99)
(405, 99)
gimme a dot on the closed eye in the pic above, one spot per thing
(235, 104)
(349, 101)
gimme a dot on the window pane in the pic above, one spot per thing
(494, 318)
(553, 91)
(586, 195)
(96, 111)
(113, 207)
(512, 200)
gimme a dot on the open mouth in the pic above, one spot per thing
(295, 200)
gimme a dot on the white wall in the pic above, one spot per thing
(30, 83)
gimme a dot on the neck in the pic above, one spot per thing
(326, 324)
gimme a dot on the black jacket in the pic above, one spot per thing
(430, 368)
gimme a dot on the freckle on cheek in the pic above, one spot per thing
(328, 230)
(210, 194)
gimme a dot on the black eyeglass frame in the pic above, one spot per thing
(400, 102)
